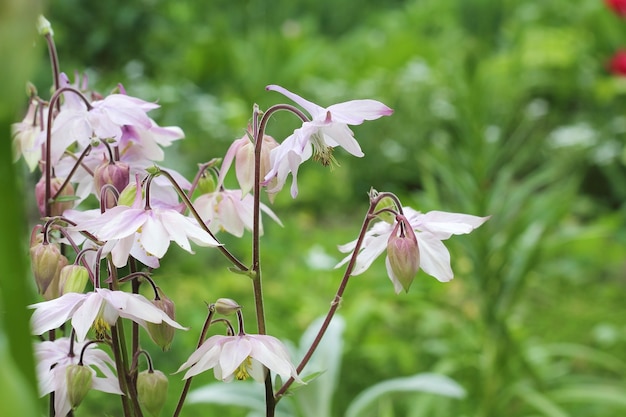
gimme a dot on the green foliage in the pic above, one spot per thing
(502, 108)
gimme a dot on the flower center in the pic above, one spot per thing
(241, 372)
(322, 153)
(101, 327)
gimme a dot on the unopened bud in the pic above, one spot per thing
(64, 201)
(116, 174)
(43, 26)
(206, 183)
(403, 256)
(152, 391)
(386, 216)
(128, 195)
(78, 379)
(73, 278)
(162, 333)
(46, 263)
(226, 306)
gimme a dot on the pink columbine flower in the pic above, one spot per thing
(430, 230)
(101, 307)
(327, 129)
(237, 357)
(152, 227)
(104, 120)
(53, 358)
(229, 211)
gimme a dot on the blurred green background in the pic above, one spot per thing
(502, 108)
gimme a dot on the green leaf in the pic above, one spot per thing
(425, 382)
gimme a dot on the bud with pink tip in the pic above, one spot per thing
(403, 256)
(116, 174)
(63, 202)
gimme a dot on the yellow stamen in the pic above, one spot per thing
(241, 372)
(101, 328)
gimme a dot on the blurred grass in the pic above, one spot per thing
(501, 107)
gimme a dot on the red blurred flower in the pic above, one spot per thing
(617, 64)
(618, 6)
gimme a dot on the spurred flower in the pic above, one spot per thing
(230, 211)
(53, 360)
(153, 227)
(327, 129)
(430, 230)
(241, 356)
(99, 308)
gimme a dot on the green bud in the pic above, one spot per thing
(73, 278)
(152, 391)
(226, 306)
(46, 263)
(206, 183)
(78, 379)
(43, 26)
(386, 215)
(128, 195)
(162, 333)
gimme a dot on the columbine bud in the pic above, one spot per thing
(44, 260)
(57, 207)
(152, 391)
(226, 306)
(206, 183)
(403, 256)
(43, 26)
(78, 379)
(386, 215)
(128, 195)
(162, 333)
(116, 174)
(73, 278)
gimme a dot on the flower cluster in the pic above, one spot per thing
(89, 264)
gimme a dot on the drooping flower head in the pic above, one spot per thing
(327, 129)
(53, 360)
(241, 356)
(99, 308)
(430, 230)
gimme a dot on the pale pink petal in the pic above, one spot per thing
(312, 108)
(234, 352)
(354, 112)
(52, 314)
(154, 237)
(84, 317)
(434, 257)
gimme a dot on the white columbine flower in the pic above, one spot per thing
(153, 227)
(327, 129)
(101, 307)
(430, 230)
(228, 210)
(237, 357)
(53, 358)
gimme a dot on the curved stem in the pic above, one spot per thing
(334, 305)
(181, 193)
(205, 328)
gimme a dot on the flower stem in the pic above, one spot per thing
(205, 328)
(334, 305)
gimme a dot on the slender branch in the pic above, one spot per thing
(205, 328)
(334, 305)
(238, 264)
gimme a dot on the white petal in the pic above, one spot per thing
(52, 314)
(434, 257)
